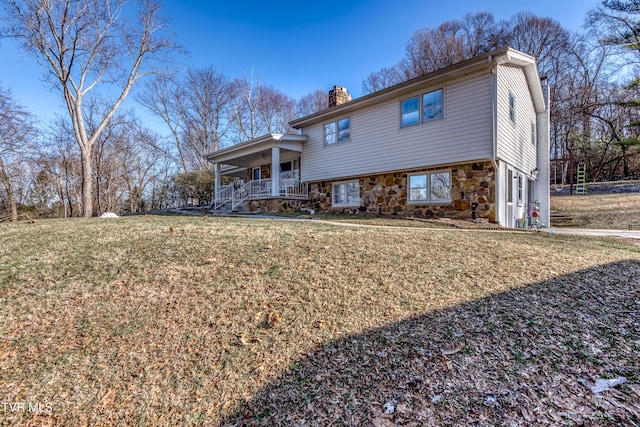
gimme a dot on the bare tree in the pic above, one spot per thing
(480, 33)
(60, 160)
(247, 97)
(111, 153)
(197, 109)
(541, 37)
(617, 24)
(205, 96)
(87, 44)
(431, 49)
(161, 96)
(16, 136)
(275, 111)
(142, 168)
(313, 102)
(386, 77)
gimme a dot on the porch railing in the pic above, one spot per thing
(224, 195)
(292, 188)
(260, 189)
(256, 189)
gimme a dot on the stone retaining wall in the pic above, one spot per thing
(473, 185)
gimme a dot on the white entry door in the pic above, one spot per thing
(510, 188)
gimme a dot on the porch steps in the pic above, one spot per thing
(231, 199)
(560, 220)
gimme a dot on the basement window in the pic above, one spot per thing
(346, 193)
(431, 187)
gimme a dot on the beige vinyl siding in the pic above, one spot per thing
(514, 141)
(378, 142)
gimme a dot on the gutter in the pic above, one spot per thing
(409, 86)
(494, 125)
(494, 114)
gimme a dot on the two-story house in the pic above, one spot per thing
(468, 141)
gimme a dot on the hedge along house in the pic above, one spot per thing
(468, 141)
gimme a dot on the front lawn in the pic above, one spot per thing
(206, 321)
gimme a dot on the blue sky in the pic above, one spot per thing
(295, 46)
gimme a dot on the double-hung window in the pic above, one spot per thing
(330, 133)
(338, 131)
(344, 129)
(432, 105)
(346, 193)
(429, 103)
(429, 187)
(410, 111)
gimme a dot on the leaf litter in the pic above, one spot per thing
(167, 321)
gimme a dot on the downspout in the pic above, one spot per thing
(494, 128)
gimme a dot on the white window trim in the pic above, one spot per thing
(338, 141)
(428, 174)
(420, 97)
(336, 131)
(441, 89)
(253, 173)
(346, 204)
(418, 111)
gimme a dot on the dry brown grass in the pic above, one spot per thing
(203, 321)
(615, 211)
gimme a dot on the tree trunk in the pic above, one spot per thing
(6, 183)
(87, 192)
(13, 207)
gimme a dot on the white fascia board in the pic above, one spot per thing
(289, 142)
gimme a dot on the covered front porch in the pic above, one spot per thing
(268, 167)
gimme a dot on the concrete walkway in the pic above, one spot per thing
(629, 234)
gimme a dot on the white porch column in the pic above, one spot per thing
(275, 171)
(218, 181)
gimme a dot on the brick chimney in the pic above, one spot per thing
(338, 95)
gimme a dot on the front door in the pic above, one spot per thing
(256, 174)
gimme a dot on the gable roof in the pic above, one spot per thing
(505, 55)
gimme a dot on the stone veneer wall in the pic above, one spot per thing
(275, 205)
(472, 184)
(265, 172)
